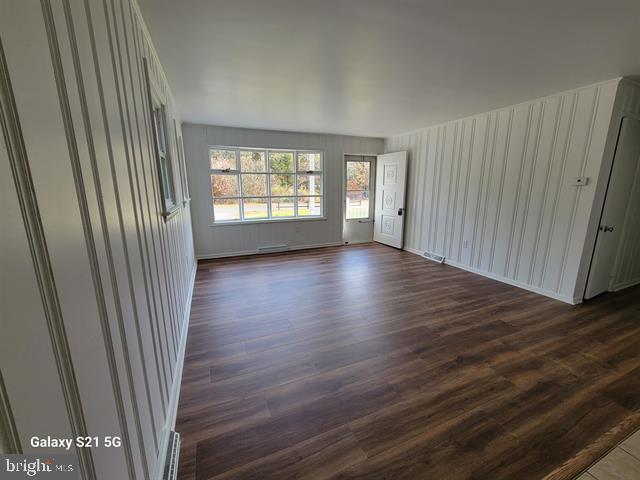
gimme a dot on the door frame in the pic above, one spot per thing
(372, 192)
(609, 170)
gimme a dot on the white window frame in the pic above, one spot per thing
(182, 165)
(237, 172)
(371, 160)
(162, 147)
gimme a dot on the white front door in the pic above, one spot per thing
(391, 179)
(625, 163)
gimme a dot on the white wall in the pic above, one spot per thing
(223, 240)
(95, 284)
(500, 183)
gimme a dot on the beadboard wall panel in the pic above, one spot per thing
(113, 279)
(225, 240)
(493, 193)
(19, 280)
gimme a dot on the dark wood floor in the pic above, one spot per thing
(369, 362)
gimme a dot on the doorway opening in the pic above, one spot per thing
(358, 204)
(614, 264)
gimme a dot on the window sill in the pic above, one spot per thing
(263, 221)
(170, 213)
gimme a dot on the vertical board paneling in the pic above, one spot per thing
(122, 274)
(235, 239)
(500, 183)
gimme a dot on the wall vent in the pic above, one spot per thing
(434, 257)
(171, 460)
(273, 248)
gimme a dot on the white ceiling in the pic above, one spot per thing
(378, 67)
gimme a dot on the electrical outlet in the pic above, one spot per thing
(466, 244)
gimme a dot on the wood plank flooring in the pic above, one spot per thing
(370, 362)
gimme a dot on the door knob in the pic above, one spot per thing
(400, 210)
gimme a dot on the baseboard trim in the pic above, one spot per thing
(622, 286)
(209, 256)
(174, 394)
(508, 281)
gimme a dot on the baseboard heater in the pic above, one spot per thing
(273, 248)
(171, 459)
(434, 257)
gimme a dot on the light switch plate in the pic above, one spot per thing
(580, 181)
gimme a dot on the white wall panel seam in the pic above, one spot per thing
(34, 230)
(578, 191)
(150, 244)
(88, 231)
(521, 168)
(556, 192)
(107, 242)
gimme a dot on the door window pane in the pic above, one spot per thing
(358, 175)
(255, 208)
(254, 185)
(309, 161)
(358, 180)
(282, 185)
(226, 209)
(282, 207)
(224, 185)
(309, 184)
(223, 159)
(281, 162)
(357, 205)
(253, 161)
(309, 206)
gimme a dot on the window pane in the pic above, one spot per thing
(166, 181)
(252, 161)
(157, 123)
(224, 185)
(309, 184)
(309, 161)
(357, 205)
(358, 175)
(309, 206)
(223, 159)
(282, 185)
(255, 207)
(254, 184)
(282, 207)
(225, 209)
(281, 161)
